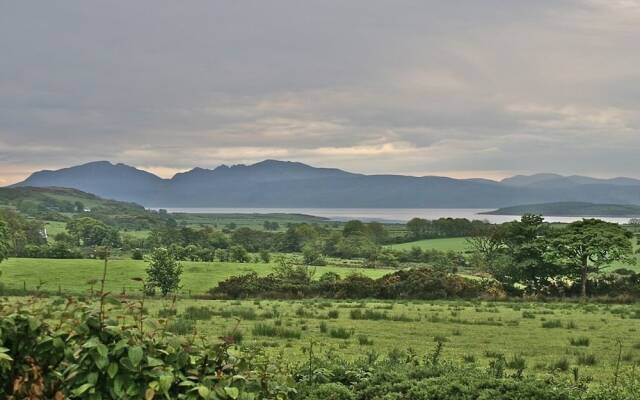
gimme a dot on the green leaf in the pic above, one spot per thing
(112, 370)
(232, 392)
(154, 362)
(165, 383)
(203, 391)
(135, 355)
(102, 349)
(81, 389)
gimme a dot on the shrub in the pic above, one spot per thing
(555, 323)
(198, 313)
(580, 341)
(587, 359)
(340, 333)
(275, 331)
(364, 340)
(181, 326)
(561, 364)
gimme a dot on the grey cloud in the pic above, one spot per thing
(369, 85)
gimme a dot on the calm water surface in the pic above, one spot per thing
(381, 214)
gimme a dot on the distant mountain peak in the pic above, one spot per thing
(275, 183)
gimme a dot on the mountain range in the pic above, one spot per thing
(273, 183)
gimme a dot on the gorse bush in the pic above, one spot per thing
(417, 283)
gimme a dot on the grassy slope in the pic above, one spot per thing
(72, 275)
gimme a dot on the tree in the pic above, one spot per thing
(79, 206)
(239, 254)
(588, 246)
(91, 232)
(417, 227)
(265, 256)
(164, 271)
(312, 253)
(4, 240)
(353, 227)
(376, 231)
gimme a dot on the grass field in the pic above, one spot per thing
(453, 244)
(549, 337)
(73, 276)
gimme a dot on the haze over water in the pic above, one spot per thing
(385, 214)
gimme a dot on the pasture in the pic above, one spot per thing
(78, 276)
(447, 244)
(541, 338)
(552, 337)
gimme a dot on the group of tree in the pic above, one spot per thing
(534, 257)
(420, 228)
(21, 233)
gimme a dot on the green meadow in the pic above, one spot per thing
(547, 337)
(448, 244)
(77, 276)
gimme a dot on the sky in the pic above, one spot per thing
(461, 88)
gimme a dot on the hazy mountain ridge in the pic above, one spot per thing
(273, 183)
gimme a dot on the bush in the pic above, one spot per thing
(87, 355)
(275, 331)
(555, 323)
(580, 341)
(340, 333)
(137, 254)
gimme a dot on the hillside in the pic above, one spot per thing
(274, 183)
(572, 209)
(59, 204)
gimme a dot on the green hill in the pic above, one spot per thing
(61, 204)
(572, 209)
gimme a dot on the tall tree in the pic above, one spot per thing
(586, 247)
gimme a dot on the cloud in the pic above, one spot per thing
(464, 88)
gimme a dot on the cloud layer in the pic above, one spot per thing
(463, 88)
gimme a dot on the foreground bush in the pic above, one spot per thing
(82, 354)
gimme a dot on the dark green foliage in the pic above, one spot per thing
(86, 355)
(137, 254)
(88, 231)
(296, 282)
(587, 246)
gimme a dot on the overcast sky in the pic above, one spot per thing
(462, 88)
